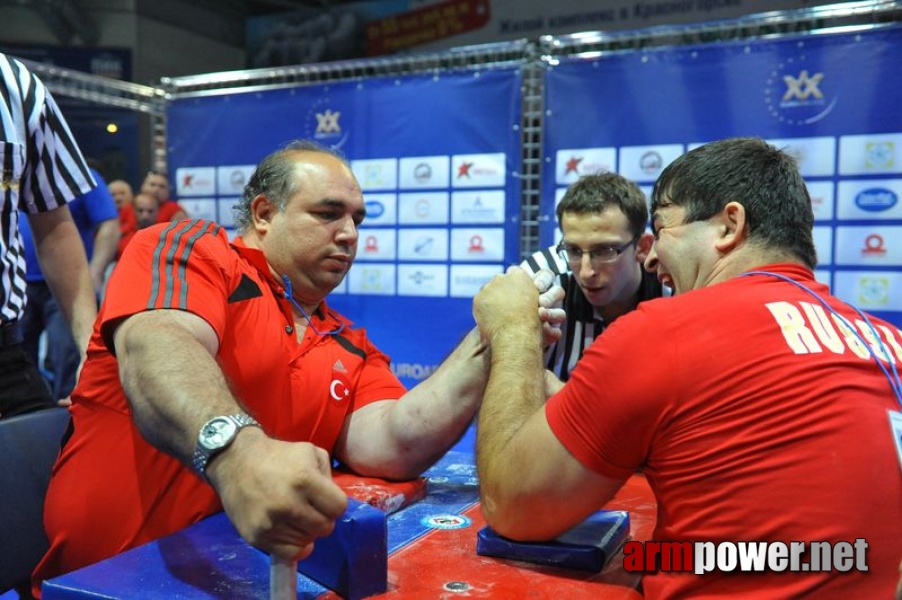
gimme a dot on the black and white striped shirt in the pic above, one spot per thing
(583, 323)
(41, 168)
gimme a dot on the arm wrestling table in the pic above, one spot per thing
(431, 546)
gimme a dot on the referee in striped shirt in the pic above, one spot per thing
(42, 169)
(603, 219)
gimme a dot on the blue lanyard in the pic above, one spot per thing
(893, 379)
(289, 295)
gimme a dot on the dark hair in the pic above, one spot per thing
(765, 180)
(594, 193)
(275, 178)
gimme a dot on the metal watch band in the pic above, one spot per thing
(203, 455)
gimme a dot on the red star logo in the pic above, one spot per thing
(464, 170)
(573, 165)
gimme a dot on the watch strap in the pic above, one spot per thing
(203, 455)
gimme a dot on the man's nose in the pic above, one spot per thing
(586, 267)
(348, 231)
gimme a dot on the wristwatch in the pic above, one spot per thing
(215, 436)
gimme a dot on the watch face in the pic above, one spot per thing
(217, 432)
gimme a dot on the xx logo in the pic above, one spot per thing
(803, 86)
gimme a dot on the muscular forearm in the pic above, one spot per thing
(279, 495)
(413, 432)
(172, 381)
(514, 392)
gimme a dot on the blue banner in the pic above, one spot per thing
(833, 101)
(436, 156)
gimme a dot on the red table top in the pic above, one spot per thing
(444, 564)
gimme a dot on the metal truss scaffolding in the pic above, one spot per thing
(532, 57)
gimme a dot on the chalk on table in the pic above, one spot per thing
(389, 496)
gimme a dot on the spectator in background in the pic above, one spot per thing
(157, 184)
(42, 170)
(603, 218)
(147, 209)
(128, 224)
(95, 216)
(122, 193)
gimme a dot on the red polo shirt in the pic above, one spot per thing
(110, 489)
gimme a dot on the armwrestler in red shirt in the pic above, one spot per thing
(236, 341)
(754, 401)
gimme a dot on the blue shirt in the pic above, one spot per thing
(88, 212)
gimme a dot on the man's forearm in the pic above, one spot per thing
(514, 393)
(435, 413)
(62, 256)
(400, 439)
(514, 390)
(171, 379)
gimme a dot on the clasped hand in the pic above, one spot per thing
(512, 298)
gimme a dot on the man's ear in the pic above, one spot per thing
(262, 211)
(643, 247)
(735, 227)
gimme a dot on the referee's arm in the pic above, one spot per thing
(65, 266)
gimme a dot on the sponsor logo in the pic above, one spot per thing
(445, 521)
(237, 179)
(422, 173)
(469, 170)
(196, 181)
(874, 291)
(573, 165)
(478, 211)
(374, 209)
(876, 199)
(803, 87)
(372, 175)
(422, 208)
(419, 278)
(651, 162)
(880, 155)
(327, 122)
(475, 245)
(423, 245)
(371, 280)
(874, 245)
(795, 93)
(371, 244)
(323, 123)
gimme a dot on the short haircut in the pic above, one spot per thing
(592, 194)
(765, 180)
(275, 177)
